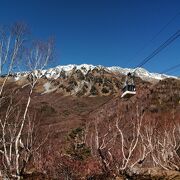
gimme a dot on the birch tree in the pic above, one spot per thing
(12, 40)
(16, 147)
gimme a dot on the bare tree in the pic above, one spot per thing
(104, 143)
(17, 148)
(115, 148)
(129, 146)
(162, 144)
(18, 155)
(11, 44)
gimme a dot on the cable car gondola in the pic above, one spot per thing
(129, 88)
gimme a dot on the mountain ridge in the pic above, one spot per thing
(54, 73)
(85, 80)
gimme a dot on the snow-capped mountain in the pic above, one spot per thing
(86, 80)
(55, 73)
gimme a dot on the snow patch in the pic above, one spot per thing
(48, 88)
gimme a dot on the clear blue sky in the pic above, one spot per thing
(106, 32)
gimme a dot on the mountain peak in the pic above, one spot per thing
(86, 79)
(54, 73)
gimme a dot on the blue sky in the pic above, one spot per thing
(106, 32)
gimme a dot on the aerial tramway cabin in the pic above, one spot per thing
(129, 88)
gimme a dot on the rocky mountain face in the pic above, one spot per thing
(85, 80)
(92, 132)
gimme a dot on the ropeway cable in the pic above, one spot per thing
(171, 68)
(160, 48)
(157, 34)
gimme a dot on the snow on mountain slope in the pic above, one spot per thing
(55, 73)
(140, 72)
(85, 80)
